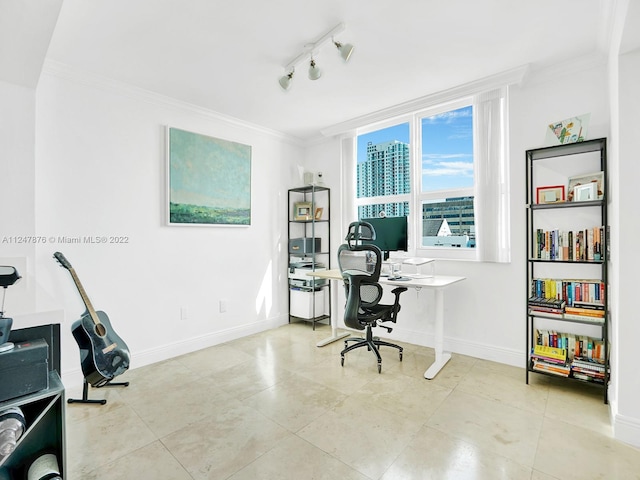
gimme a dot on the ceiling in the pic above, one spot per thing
(227, 56)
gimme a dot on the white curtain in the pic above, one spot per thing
(492, 177)
(349, 212)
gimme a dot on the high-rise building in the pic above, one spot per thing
(457, 211)
(386, 171)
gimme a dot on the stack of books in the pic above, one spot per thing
(551, 360)
(546, 305)
(588, 369)
(586, 310)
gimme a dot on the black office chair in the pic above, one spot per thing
(360, 266)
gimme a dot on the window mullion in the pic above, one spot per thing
(415, 209)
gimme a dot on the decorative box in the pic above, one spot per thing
(24, 369)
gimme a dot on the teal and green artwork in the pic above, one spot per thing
(209, 180)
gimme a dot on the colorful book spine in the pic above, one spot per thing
(555, 353)
(580, 245)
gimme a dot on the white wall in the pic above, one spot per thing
(100, 171)
(17, 164)
(625, 239)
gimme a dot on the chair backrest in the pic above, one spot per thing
(358, 231)
(360, 268)
(363, 260)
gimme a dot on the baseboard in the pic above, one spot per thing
(625, 429)
(484, 351)
(74, 377)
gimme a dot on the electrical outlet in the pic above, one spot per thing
(184, 314)
(223, 306)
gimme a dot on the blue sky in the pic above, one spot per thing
(447, 150)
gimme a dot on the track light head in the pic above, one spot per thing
(345, 50)
(314, 71)
(285, 80)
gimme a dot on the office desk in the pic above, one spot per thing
(436, 282)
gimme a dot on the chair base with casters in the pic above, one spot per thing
(379, 313)
(372, 344)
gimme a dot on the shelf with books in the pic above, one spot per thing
(567, 317)
(567, 249)
(584, 245)
(567, 355)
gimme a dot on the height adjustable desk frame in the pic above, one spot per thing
(435, 282)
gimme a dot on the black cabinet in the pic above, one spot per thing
(43, 410)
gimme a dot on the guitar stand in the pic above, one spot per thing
(85, 393)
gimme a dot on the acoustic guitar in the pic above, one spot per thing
(103, 354)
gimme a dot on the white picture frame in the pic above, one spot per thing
(585, 193)
(596, 178)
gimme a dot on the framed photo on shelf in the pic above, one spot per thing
(302, 211)
(586, 192)
(554, 194)
(318, 213)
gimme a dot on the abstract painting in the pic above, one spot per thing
(209, 180)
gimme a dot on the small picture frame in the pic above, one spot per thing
(570, 130)
(302, 211)
(318, 213)
(552, 194)
(585, 192)
(597, 178)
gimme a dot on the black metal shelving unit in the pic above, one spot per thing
(317, 197)
(579, 156)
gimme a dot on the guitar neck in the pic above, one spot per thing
(85, 297)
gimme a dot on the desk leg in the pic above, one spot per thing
(334, 319)
(442, 357)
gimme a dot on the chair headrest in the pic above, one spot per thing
(359, 231)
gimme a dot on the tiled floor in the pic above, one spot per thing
(275, 406)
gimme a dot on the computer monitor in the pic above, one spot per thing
(391, 234)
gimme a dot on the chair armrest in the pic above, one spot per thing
(396, 304)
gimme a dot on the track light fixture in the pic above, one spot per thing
(314, 72)
(310, 49)
(285, 80)
(345, 50)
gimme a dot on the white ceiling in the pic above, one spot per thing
(227, 56)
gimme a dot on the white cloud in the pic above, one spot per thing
(439, 169)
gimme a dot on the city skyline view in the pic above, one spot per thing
(446, 190)
(447, 148)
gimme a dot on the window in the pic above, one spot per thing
(447, 177)
(384, 170)
(445, 168)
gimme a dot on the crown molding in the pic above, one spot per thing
(82, 77)
(509, 77)
(548, 73)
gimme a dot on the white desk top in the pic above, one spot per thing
(436, 281)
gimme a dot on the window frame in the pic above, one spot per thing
(420, 196)
(416, 197)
